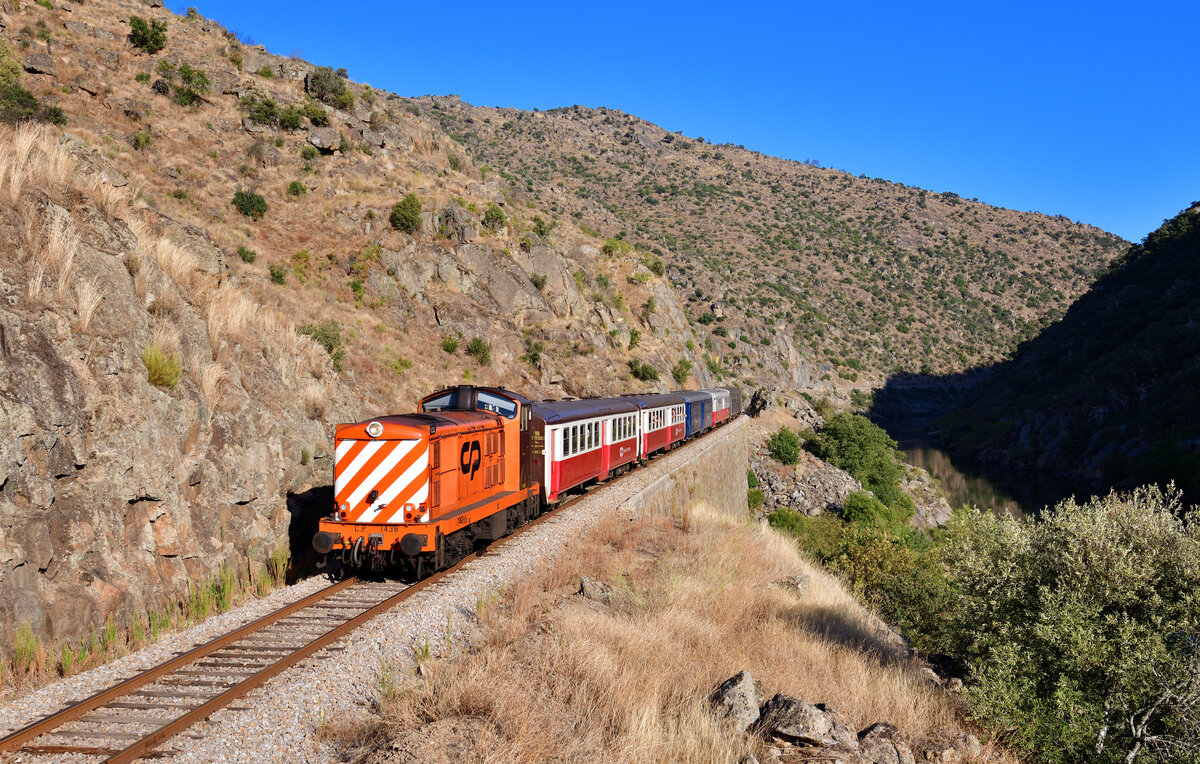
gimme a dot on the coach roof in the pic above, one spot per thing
(655, 400)
(569, 411)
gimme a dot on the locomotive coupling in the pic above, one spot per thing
(411, 544)
(323, 542)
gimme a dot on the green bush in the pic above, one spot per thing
(162, 368)
(315, 114)
(308, 152)
(449, 344)
(1080, 630)
(680, 371)
(635, 337)
(193, 84)
(290, 118)
(481, 350)
(861, 507)
(751, 479)
(325, 85)
(859, 446)
(141, 140)
(820, 536)
(406, 214)
(149, 36)
(261, 110)
(784, 446)
(250, 204)
(643, 371)
(455, 162)
(54, 115)
(328, 335)
(538, 280)
(17, 104)
(296, 188)
(278, 274)
(10, 66)
(494, 217)
(248, 255)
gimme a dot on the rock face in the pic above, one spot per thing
(114, 492)
(881, 744)
(39, 63)
(811, 488)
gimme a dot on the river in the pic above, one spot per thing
(908, 414)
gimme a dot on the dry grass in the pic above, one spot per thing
(231, 312)
(31, 156)
(212, 384)
(87, 301)
(315, 401)
(556, 677)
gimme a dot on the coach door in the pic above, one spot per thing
(469, 460)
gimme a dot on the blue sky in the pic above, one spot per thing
(1089, 110)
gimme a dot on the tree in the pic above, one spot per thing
(1082, 629)
(325, 85)
(784, 446)
(859, 446)
(149, 36)
(406, 214)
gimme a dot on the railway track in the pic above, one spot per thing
(132, 719)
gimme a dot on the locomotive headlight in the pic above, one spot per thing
(375, 429)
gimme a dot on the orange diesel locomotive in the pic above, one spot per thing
(420, 489)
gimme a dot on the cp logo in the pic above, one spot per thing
(469, 458)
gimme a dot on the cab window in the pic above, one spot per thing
(485, 401)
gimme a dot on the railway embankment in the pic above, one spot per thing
(290, 718)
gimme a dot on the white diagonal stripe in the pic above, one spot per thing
(346, 475)
(342, 447)
(379, 473)
(398, 516)
(411, 475)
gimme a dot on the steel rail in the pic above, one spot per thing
(73, 712)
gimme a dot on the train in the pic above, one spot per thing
(414, 493)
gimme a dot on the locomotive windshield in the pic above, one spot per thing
(445, 401)
(486, 401)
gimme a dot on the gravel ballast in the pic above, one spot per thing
(281, 721)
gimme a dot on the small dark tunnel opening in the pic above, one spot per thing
(305, 510)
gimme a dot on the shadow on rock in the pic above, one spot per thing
(305, 509)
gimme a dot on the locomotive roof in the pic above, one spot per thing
(568, 411)
(655, 400)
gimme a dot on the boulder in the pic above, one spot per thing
(264, 154)
(737, 699)
(40, 63)
(881, 744)
(798, 584)
(78, 27)
(161, 86)
(795, 721)
(594, 590)
(324, 138)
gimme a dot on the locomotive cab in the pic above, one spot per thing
(424, 488)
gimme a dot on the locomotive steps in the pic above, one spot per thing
(285, 717)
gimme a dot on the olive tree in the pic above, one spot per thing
(1081, 629)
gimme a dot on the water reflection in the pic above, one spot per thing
(1014, 494)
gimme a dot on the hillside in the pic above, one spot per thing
(207, 265)
(173, 368)
(1110, 391)
(797, 274)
